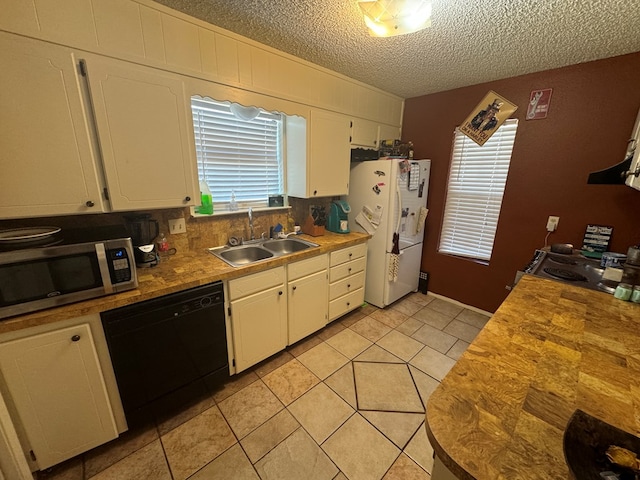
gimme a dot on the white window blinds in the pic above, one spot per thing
(477, 180)
(239, 155)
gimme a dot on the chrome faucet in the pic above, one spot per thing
(251, 223)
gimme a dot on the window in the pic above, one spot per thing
(239, 149)
(476, 185)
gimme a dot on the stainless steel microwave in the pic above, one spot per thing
(66, 267)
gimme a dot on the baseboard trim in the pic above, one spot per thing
(451, 300)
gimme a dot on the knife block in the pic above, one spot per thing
(311, 229)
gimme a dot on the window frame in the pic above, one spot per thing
(222, 111)
(455, 233)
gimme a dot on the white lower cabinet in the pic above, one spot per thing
(346, 279)
(258, 310)
(307, 282)
(280, 306)
(54, 386)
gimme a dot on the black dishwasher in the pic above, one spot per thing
(168, 351)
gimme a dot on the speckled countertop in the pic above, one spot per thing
(549, 349)
(179, 272)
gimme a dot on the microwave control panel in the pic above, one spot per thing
(119, 265)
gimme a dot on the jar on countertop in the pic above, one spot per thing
(635, 294)
(623, 291)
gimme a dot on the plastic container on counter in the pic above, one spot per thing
(635, 294)
(623, 291)
(612, 259)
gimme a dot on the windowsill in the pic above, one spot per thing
(469, 259)
(243, 211)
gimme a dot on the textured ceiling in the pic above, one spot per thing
(469, 42)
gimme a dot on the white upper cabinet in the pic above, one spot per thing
(387, 132)
(364, 133)
(147, 32)
(369, 134)
(145, 134)
(46, 156)
(323, 170)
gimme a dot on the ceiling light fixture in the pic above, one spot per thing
(386, 18)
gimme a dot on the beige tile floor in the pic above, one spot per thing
(346, 403)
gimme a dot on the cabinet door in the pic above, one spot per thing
(329, 154)
(56, 384)
(364, 133)
(46, 157)
(146, 136)
(387, 132)
(259, 326)
(308, 305)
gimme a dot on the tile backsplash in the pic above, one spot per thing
(202, 232)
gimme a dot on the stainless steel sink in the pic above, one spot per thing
(243, 255)
(260, 250)
(284, 246)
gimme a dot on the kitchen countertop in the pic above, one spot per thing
(551, 348)
(179, 272)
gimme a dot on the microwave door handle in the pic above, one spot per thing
(104, 268)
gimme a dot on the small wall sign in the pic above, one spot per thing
(539, 104)
(488, 115)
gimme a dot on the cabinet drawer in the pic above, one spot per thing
(346, 269)
(307, 267)
(346, 285)
(241, 287)
(350, 253)
(346, 303)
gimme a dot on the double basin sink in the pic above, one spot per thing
(257, 251)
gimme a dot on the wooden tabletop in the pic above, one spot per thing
(549, 349)
(179, 272)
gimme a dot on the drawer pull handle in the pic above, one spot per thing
(351, 254)
(89, 203)
(187, 199)
(349, 269)
(75, 338)
(294, 287)
(280, 292)
(348, 285)
(348, 304)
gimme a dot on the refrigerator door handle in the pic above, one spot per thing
(399, 209)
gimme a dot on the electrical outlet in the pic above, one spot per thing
(552, 223)
(177, 225)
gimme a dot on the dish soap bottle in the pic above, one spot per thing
(206, 199)
(233, 205)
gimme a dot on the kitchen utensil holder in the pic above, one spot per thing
(311, 229)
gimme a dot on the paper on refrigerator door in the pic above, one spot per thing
(364, 222)
(369, 219)
(422, 217)
(374, 216)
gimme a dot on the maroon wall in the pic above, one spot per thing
(592, 112)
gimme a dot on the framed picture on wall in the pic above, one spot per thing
(486, 117)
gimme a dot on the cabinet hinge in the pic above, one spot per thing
(32, 455)
(105, 193)
(233, 362)
(229, 311)
(350, 138)
(83, 68)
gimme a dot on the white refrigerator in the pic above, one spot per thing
(388, 199)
